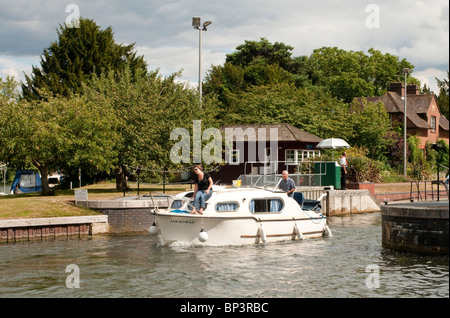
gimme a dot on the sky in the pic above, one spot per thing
(162, 30)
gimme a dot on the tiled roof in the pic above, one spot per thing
(416, 104)
(286, 132)
(443, 122)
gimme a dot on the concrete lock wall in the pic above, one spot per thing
(416, 227)
(350, 202)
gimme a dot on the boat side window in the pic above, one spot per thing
(266, 205)
(176, 204)
(179, 204)
(227, 206)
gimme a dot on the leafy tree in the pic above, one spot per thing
(149, 107)
(254, 63)
(349, 74)
(9, 92)
(370, 126)
(56, 133)
(223, 82)
(262, 52)
(264, 58)
(79, 53)
(383, 69)
(418, 168)
(285, 103)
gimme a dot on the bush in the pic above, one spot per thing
(361, 168)
(419, 168)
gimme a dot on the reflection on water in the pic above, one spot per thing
(135, 266)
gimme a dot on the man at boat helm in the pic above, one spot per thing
(287, 184)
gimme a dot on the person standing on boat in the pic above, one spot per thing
(343, 164)
(287, 184)
(203, 189)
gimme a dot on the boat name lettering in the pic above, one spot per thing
(182, 221)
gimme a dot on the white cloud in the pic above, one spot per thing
(170, 60)
(162, 31)
(429, 76)
(15, 66)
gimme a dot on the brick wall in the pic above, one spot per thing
(129, 220)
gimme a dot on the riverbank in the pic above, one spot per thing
(36, 212)
(61, 204)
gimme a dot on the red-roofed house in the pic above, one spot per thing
(424, 118)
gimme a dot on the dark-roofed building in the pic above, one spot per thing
(424, 118)
(292, 145)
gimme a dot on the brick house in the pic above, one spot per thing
(424, 119)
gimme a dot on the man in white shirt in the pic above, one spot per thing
(343, 164)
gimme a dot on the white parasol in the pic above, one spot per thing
(333, 143)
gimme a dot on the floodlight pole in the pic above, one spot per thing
(200, 65)
(405, 71)
(197, 25)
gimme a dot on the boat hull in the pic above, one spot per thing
(236, 230)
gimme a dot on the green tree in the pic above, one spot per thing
(9, 92)
(262, 52)
(79, 53)
(224, 82)
(349, 74)
(370, 126)
(149, 107)
(418, 168)
(285, 103)
(383, 69)
(253, 63)
(57, 132)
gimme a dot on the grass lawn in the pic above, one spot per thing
(34, 205)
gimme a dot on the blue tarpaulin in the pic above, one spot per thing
(26, 181)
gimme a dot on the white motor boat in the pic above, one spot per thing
(238, 216)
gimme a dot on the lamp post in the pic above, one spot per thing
(196, 23)
(404, 71)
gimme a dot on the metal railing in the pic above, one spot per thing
(420, 190)
(263, 174)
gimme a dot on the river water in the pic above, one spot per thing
(351, 263)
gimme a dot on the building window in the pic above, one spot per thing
(306, 154)
(234, 157)
(296, 156)
(290, 155)
(433, 123)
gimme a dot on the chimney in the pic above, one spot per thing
(397, 87)
(412, 89)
